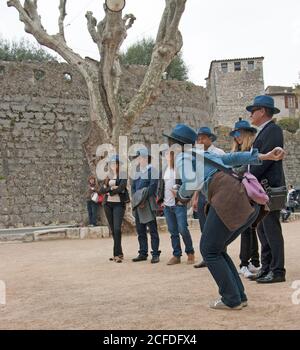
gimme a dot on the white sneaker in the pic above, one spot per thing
(253, 269)
(245, 272)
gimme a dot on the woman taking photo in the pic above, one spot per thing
(243, 138)
(116, 197)
(230, 211)
(175, 213)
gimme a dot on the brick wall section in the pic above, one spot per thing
(43, 122)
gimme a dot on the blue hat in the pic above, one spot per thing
(183, 134)
(242, 125)
(143, 152)
(263, 101)
(206, 131)
(114, 159)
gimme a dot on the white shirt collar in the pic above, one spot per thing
(259, 128)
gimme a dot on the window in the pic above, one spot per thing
(237, 66)
(250, 65)
(224, 67)
(2, 70)
(290, 102)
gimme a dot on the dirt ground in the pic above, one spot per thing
(73, 285)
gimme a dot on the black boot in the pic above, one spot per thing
(140, 258)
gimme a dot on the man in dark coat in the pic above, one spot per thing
(269, 136)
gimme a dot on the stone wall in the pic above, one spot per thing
(43, 122)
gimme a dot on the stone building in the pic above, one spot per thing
(232, 84)
(285, 99)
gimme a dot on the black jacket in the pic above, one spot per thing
(160, 194)
(270, 137)
(121, 191)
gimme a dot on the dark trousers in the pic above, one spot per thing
(142, 237)
(201, 214)
(92, 208)
(272, 243)
(214, 240)
(115, 213)
(249, 248)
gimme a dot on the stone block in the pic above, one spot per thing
(51, 234)
(28, 238)
(73, 233)
(84, 232)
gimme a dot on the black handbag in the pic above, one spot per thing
(277, 196)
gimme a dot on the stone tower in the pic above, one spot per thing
(232, 84)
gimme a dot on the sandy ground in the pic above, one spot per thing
(73, 285)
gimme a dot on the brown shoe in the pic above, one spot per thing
(174, 260)
(191, 259)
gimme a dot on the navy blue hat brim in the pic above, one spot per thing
(187, 142)
(213, 136)
(254, 130)
(274, 109)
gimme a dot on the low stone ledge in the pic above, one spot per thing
(50, 234)
(94, 232)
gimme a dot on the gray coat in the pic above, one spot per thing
(147, 213)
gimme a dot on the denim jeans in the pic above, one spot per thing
(143, 240)
(214, 240)
(115, 213)
(92, 208)
(176, 218)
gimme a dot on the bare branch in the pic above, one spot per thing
(131, 19)
(92, 23)
(168, 44)
(32, 21)
(62, 16)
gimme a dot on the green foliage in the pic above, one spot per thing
(23, 50)
(141, 52)
(289, 124)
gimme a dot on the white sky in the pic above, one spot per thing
(212, 29)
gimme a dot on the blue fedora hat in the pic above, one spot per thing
(242, 125)
(206, 131)
(263, 101)
(183, 134)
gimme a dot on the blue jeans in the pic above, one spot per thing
(93, 212)
(214, 240)
(143, 240)
(176, 218)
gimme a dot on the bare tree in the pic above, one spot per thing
(102, 77)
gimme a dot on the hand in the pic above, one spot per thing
(276, 154)
(195, 205)
(114, 187)
(174, 192)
